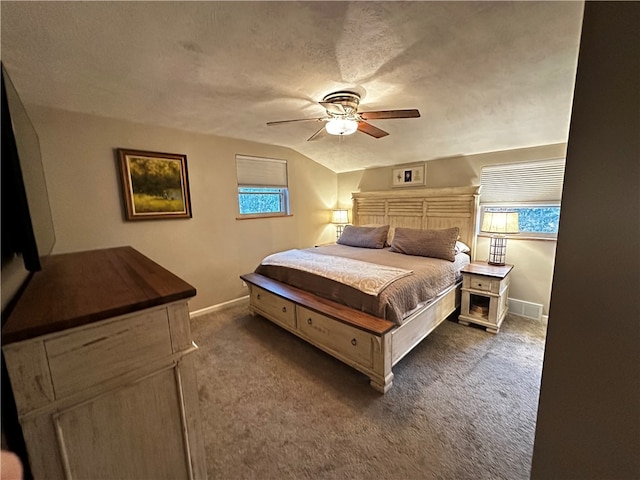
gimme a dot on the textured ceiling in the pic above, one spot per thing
(486, 76)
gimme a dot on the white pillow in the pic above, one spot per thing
(462, 247)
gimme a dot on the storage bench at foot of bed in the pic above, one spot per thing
(356, 338)
(369, 344)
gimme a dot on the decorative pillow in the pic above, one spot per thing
(426, 243)
(366, 237)
(389, 235)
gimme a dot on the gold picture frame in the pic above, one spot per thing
(155, 185)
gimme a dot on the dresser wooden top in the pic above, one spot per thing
(74, 289)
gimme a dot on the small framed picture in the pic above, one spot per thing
(155, 185)
(408, 176)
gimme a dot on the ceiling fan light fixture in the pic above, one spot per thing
(341, 126)
(342, 116)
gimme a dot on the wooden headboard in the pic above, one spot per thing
(425, 208)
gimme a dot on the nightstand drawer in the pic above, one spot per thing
(480, 283)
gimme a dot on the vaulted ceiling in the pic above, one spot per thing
(486, 76)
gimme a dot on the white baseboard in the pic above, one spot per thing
(525, 309)
(517, 307)
(218, 307)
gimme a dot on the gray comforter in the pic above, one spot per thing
(396, 301)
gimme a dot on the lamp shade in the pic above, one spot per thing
(341, 126)
(500, 222)
(339, 217)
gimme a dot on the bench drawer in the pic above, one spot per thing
(273, 307)
(347, 341)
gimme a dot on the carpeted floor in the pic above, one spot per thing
(463, 404)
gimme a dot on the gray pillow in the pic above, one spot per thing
(426, 243)
(366, 237)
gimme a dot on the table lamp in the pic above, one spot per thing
(340, 218)
(499, 224)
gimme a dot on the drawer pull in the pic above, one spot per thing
(309, 320)
(284, 309)
(354, 342)
(258, 296)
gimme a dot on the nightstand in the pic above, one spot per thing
(485, 289)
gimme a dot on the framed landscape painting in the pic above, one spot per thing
(155, 185)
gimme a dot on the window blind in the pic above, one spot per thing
(261, 172)
(531, 182)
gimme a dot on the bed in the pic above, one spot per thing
(370, 325)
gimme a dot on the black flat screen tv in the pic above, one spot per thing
(27, 225)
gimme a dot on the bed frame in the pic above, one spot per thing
(369, 344)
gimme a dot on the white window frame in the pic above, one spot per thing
(263, 173)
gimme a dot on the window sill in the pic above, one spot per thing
(269, 215)
(523, 236)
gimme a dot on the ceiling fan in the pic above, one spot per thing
(343, 118)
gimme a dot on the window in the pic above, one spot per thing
(262, 187)
(254, 200)
(534, 220)
(533, 189)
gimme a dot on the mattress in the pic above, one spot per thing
(397, 300)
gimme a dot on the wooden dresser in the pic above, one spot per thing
(98, 351)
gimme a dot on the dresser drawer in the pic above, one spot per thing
(347, 341)
(88, 356)
(273, 307)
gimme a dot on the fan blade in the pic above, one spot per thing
(298, 120)
(390, 114)
(335, 108)
(369, 129)
(317, 134)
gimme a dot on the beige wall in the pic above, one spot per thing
(210, 250)
(533, 259)
(213, 248)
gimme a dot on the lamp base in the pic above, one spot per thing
(497, 250)
(339, 230)
(497, 264)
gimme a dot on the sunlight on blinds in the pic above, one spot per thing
(539, 182)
